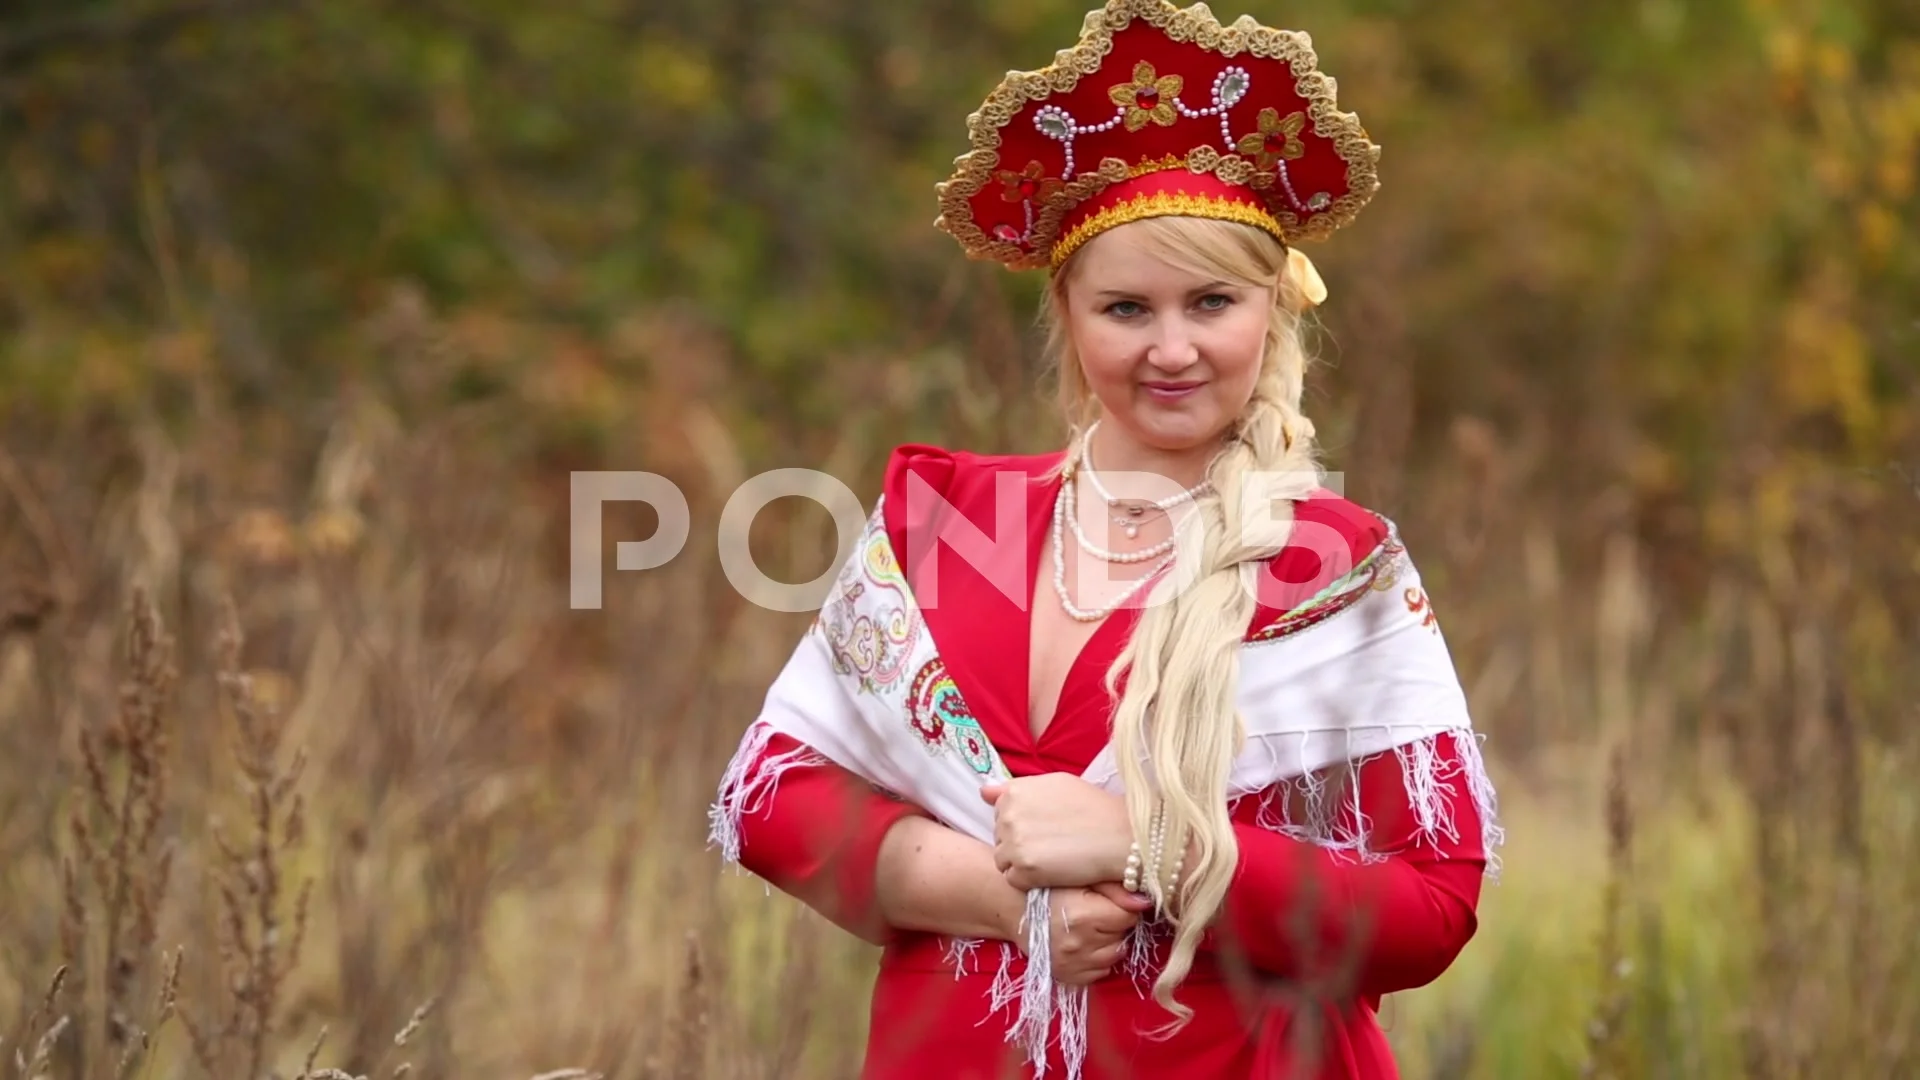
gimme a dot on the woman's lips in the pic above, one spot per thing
(1168, 391)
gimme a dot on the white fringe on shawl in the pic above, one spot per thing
(1358, 671)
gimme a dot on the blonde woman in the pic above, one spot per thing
(1144, 757)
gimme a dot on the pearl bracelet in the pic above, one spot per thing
(1145, 867)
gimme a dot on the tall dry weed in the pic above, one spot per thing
(262, 924)
(1606, 1035)
(115, 875)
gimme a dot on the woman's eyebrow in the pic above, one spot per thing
(1125, 294)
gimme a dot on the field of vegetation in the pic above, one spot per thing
(308, 310)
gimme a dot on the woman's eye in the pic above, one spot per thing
(1215, 302)
(1125, 309)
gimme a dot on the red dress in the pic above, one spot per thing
(1289, 978)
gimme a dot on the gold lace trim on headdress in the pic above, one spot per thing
(1160, 204)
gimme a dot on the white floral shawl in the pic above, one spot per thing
(1358, 670)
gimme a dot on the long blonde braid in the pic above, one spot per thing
(1176, 727)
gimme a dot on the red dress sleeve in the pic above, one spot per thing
(817, 837)
(1302, 911)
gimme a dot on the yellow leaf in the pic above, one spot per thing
(1879, 231)
(1836, 174)
(1896, 175)
(1823, 363)
(334, 531)
(274, 691)
(262, 537)
(1833, 63)
(1787, 49)
(1776, 504)
(672, 75)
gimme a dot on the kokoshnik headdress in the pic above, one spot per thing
(1159, 111)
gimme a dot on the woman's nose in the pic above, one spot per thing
(1175, 348)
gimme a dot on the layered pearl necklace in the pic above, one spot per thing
(1135, 509)
(1066, 513)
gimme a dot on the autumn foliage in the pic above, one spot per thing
(313, 307)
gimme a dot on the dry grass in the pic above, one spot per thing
(420, 777)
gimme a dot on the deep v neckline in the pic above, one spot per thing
(984, 630)
(1041, 591)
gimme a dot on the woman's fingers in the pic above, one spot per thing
(1117, 894)
(1081, 968)
(1103, 914)
(1106, 956)
(1090, 933)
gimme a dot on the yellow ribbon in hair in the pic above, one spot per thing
(1306, 280)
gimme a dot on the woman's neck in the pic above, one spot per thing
(1132, 470)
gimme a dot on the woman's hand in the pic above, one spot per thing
(1089, 930)
(1058, 831)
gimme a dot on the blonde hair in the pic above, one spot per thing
(1176, 730)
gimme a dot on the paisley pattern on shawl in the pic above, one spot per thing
(869, 621)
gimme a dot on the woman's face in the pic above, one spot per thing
(1172, 356)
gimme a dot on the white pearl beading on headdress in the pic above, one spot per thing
(1059, 125)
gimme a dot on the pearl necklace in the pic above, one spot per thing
(1087, 545)
(1062, 506)
(1066, 511)
(1135, 508)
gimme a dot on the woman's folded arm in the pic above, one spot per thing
(1392, 921)
(872, 864)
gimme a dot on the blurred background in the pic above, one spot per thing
(311, 309)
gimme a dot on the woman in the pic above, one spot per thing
(1144, 757)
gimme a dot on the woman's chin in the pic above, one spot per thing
(1174, 434)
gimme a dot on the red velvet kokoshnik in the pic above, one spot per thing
(1156, 111)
